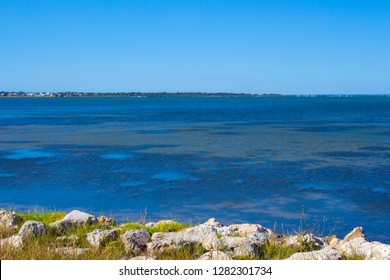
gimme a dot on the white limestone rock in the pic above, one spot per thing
(362, 247)
(297, 240)
(244, 230)
(188, 236)
(195, 234)
(31, 229)
(99, 236)
(211, 242)
(327, 253)
(239, 246)
(74, 218)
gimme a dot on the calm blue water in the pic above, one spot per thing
(237, 159)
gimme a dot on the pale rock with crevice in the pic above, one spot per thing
(99, 236)
(32, 229)
(239, 246)
(136, 240)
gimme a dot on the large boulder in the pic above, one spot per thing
(214, 255)
(32, 229)
(74, 218)
(136, 240)
(327, 253)
(99, 236)
(8, 219)
(361, 247)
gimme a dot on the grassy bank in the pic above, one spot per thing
(46, 246)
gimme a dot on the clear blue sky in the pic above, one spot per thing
(288, 47)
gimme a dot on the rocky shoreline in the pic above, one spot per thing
(149, 241)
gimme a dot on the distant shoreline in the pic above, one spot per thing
(127, 94)
(22, 94)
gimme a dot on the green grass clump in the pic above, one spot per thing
(354, 257)
(42, 216)
(162, 227)
(187, 252)
(132, 226)
(272, 250)
(168, 227)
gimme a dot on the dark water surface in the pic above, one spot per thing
(237, 159)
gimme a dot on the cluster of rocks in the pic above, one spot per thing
(221, 242)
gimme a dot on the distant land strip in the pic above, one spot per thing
(130, 94)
